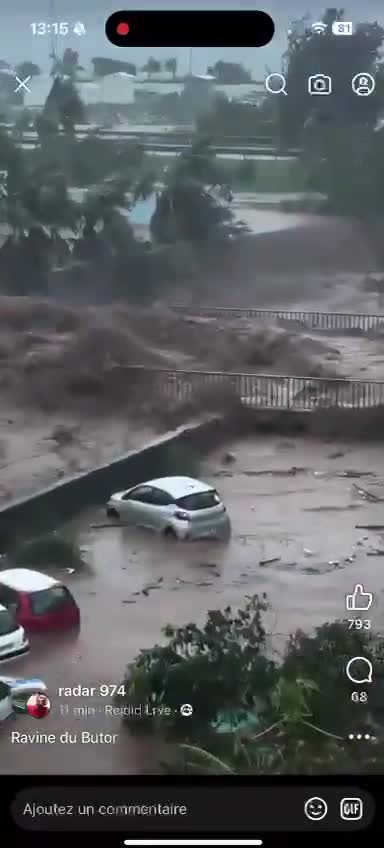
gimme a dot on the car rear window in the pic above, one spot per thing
(201, 500)
(7, 622)
(50, 600)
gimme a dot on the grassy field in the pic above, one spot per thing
(262, 175)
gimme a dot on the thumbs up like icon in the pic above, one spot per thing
(359, 600)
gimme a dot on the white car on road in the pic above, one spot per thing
(13, 640)
(177, 507)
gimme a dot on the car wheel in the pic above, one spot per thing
(112, 512)
(169, 533)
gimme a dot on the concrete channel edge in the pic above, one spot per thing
(50, 507)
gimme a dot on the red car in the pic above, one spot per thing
(38, 601)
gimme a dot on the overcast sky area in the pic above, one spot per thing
(18, 42)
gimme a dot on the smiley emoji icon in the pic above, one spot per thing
(315, 809)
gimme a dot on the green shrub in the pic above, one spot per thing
(253, 714)
(53, 549)
(220, 667)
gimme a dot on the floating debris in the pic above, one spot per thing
(269, 561)
(356, 474)
(363, 493)
(229, 457)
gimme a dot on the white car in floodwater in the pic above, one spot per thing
(13, 640)
(178, 507)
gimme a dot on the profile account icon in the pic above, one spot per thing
(363, 84)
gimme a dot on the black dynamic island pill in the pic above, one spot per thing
(205, 28)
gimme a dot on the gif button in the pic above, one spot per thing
(351, 809)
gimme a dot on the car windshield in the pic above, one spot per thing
(201, 500)
(50, 600)
(7, 622)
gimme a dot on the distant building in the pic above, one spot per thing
(115, 88)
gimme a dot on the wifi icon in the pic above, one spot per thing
(319, 28)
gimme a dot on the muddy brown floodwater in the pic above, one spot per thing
(291, 501)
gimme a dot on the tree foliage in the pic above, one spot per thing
(342, 146)
(170, 65)
(27, 69)
(309, 54)
(229, 73)
(193, 206)
(152, 66)
(251, 712)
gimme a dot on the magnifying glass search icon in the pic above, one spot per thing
(275, 84)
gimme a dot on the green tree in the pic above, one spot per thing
(309, 54)
(193, 206)
(67, 66)
(63, 106)
(253, 714)
(229, 73)
(171, 66)
(152, 66)
(27, 69)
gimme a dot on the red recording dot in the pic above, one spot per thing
(123, 28)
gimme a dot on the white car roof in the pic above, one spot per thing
(179, 487)
(26, 580)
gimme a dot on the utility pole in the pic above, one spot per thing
(190, 61)
(52, 15)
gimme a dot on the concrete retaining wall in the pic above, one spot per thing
(47, 509)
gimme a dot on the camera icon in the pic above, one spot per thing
(319, 84)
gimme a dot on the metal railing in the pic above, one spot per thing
(260, 391)
(328, 321)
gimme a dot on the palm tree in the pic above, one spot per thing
(171, 66)
(27, 69)
(67, 66)
(152, 66)
(63, 106)
(36, 207)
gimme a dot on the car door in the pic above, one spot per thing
(136, 506)
(10, 599)
(159, 508)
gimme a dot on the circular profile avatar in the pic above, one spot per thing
(38, 705)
